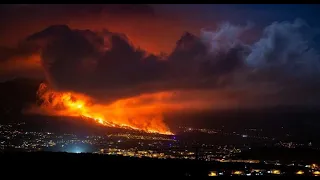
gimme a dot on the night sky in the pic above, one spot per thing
(229, 55)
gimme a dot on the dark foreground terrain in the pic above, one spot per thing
(33, 163)
(306, 155)
(48, 162)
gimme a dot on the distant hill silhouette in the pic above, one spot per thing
(17, 94)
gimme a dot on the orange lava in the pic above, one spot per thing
(142, 113)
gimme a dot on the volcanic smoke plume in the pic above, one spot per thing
(131, 113)
(117, 80)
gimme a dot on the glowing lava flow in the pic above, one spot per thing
(131, 113)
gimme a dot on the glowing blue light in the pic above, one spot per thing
(76, 150)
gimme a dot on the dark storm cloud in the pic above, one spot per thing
(84, 61)
(288, 46)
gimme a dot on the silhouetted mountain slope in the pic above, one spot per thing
(17, 94)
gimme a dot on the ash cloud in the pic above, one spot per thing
(106, 65)
(288, 46)
(85, 61)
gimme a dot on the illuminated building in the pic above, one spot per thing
(316, 173)
(275, 171)
(238, 172)
(314, 166)
(212, 173)
(300, 172)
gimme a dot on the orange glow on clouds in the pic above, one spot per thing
(154, 35)
(30, 65)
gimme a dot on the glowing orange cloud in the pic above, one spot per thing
(30, 66)
(155, 35)
(132, 113)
